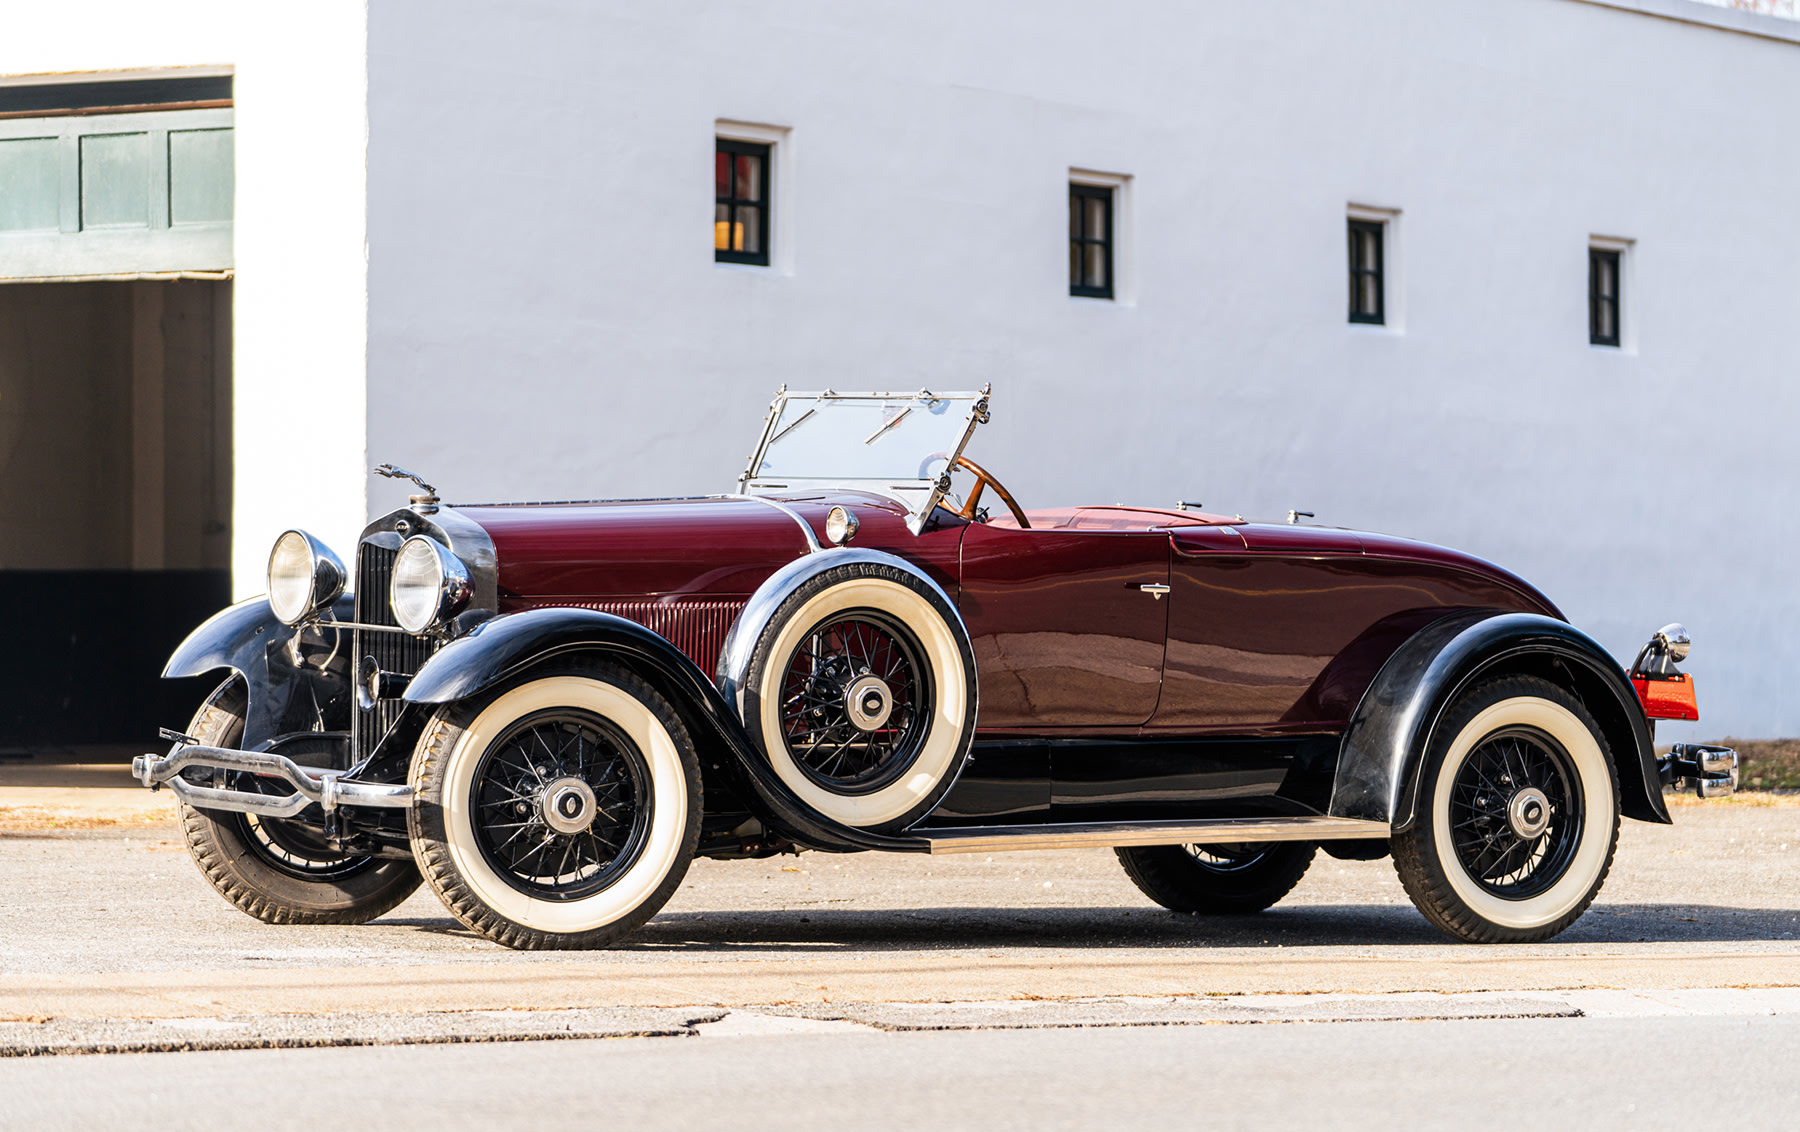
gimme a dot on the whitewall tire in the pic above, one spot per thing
(861, 693)
(1518, 815)
(560, 811)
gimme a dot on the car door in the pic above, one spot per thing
(1068, 625)
(1259, 612)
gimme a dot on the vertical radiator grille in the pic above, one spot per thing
(697, 628)
(397, 652)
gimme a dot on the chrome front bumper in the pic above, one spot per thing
(311, 784)
(1711, 771)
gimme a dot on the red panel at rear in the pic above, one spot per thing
(1669, 698)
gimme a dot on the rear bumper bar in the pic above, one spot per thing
(1711, 771)
(311, 785)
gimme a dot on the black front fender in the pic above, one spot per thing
(505, 646)
(285, 695)
(1394, 724)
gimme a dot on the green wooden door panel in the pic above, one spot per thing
(115, 181)
(143, 192)
(200, 176)
(30, 185)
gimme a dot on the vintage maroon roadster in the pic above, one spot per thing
(546, 710)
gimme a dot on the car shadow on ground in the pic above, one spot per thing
(1318, 925)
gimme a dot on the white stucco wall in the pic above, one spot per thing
(546, 320)
(300, 292)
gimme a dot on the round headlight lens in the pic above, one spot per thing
(304, 577)
(430, 584)
(840, 525)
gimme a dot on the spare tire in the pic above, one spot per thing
(861, 692)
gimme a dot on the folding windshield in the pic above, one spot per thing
(896, 444)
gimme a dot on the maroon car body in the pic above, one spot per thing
(856, 663)
(1270, 634)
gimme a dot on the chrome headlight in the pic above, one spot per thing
(430, 586)
(304, 577)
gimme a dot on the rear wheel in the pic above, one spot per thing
(1211, 880)
(280, 870)
(1518, 815)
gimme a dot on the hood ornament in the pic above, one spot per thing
(425, 503)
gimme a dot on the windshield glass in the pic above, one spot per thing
(891, 438)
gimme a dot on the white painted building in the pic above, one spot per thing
(545, 317)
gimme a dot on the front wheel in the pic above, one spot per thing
(560, 811)
(1518, 815)
(1212, 880)
(281, 870)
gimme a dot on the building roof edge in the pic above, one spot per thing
(1707, 15)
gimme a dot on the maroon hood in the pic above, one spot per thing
(717, 547)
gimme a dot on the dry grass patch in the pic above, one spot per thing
(1767, 764)
(56, 819)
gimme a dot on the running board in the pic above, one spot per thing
(1107, 835)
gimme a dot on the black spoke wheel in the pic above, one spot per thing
(855, 701)
(294, 848)
(281, 870)
(561, 804)
(1233, 858)
(558, 809)
(1215, 880)
(1515, 813)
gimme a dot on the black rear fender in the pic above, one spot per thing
(1379, 761)
(510, 646)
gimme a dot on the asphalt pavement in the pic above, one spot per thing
(993, 990)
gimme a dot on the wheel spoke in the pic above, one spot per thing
(1487, 783)
(535, 857)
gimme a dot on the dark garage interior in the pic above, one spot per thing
(115, 501)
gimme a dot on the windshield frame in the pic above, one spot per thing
(918, 495)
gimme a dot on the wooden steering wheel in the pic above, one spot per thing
(983, 480)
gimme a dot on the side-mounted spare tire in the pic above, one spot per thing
(861, 692)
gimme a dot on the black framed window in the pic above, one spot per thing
(1091, 241)
(1367, 287)
(741, 202)
(1603, 296)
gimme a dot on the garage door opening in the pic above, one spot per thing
(115, 501)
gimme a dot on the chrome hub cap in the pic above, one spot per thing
(868, 703)
(1529, 813)
(568, 805)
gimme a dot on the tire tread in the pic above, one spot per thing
(218, 862)
(1168, 875)
(1415, 860)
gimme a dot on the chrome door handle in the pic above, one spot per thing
(1154, 589)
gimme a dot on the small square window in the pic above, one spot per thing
(741, 202)
(1091, 241)
(1604, 296)
(1367, 287)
